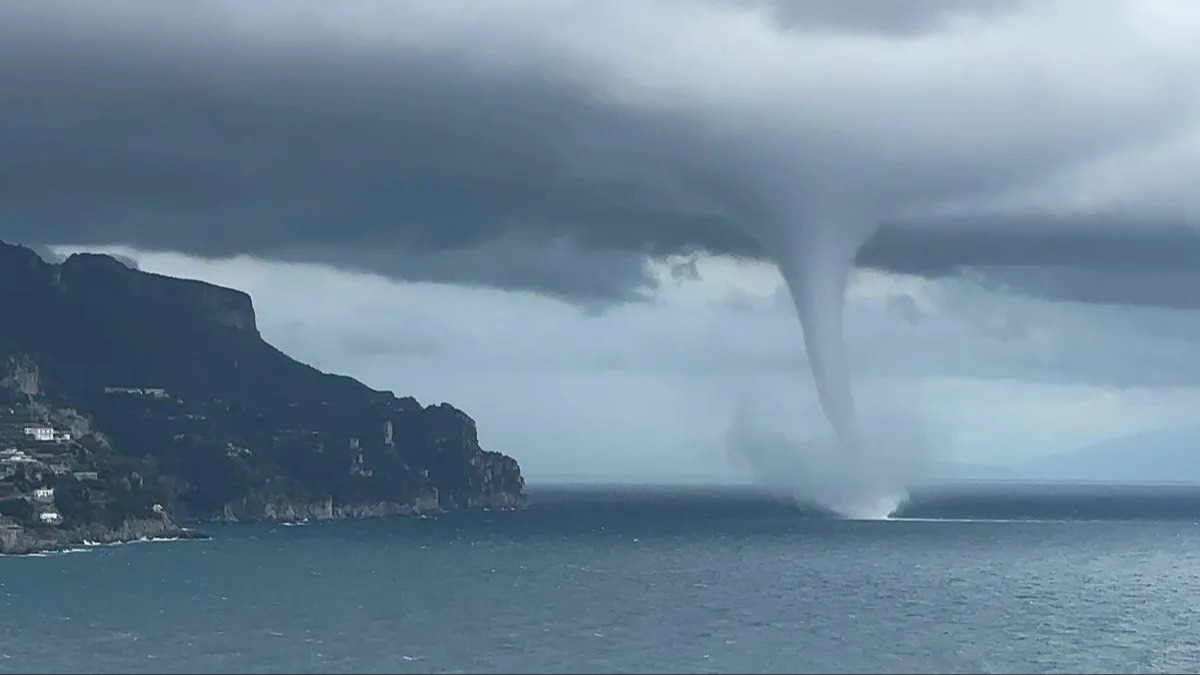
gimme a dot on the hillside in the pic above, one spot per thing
(167, 384)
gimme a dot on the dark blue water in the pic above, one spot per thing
(638, 581)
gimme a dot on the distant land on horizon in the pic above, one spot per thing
(1162, 457)
(1170, 456)
(1156, 456)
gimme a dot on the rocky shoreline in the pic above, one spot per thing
(27, 541)
(261, 510)
(21, 541)
(257, 509)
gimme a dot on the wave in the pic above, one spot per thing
(140, 540)
(47, 554)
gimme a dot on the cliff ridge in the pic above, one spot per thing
(156, 395)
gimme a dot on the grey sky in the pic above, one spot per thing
(419, 167)
(647, 390)
(554, 145)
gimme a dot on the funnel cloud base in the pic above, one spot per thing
(871, 482)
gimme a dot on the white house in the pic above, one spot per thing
(155, 392)
(14, 456)
(44, 494)
(40, 433)
(50, 517)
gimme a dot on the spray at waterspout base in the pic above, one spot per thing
(869, 483)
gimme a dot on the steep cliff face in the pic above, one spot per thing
(20, 375)
(174, 377)
(103, 280)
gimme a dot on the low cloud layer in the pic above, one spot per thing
(1041, 147)
(996, 378)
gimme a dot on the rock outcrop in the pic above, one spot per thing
(171, 397)
(23, 541)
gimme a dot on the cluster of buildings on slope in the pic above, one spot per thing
(13, 460)
(44, 512)
(41, 499)
(49, 447)
(31, 449)
(44, 498)
(55, 458)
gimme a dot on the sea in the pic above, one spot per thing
(996, 578)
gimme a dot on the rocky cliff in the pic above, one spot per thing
(21, 541)
(174, 396)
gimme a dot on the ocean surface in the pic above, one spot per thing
(988, 579)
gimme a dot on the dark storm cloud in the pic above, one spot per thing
(405, 165)
(1106, 243)
(1095, 260)
(560, 267)
(310, 154)
(185, 130)
(879, 17)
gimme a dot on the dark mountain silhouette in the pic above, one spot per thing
(171, 388)
(1155, 456)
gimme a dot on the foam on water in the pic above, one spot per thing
(878, 507)
(1022, 521)
(868, 481)
(47, 554)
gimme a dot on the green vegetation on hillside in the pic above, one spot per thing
(170, 396)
